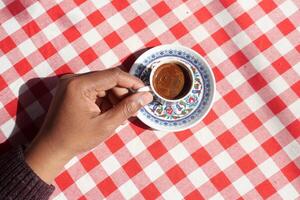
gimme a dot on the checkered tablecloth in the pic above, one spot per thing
(246, 148)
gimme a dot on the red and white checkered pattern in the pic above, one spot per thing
(248, 145)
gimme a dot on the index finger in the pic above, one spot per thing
(107, 79)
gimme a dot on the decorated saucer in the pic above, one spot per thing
(181, 115)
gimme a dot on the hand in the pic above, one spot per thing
(85, 110)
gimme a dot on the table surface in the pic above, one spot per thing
(247, 146)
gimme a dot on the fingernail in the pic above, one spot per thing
(146, 98)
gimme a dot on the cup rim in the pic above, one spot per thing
(173, 60)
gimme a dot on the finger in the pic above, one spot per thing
(127, 108)
(107, 79)
(120, 92)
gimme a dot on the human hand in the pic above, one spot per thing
(85, 110)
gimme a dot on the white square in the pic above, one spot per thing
(254, 102)
(243, 185)
(75, 15)
(153, 171)
(230, 119)
(27, 47)
(182, 12)
(223, 160)
(84, 70)
(5, 64)
(217, 96)
(296, 67)
(273, 126)
(140, 6)
(241, 39)
(236, 78)
(43, 69)
(198, 177)
(2, 5)
(8, 127)
(223, 18)
(134, 43)
(135, 146)
(35, 110)
(51, 31)
(279, 85)
(85, 183)
(206, 2)
(268, 168)
(204, 136)
(283, 46)
(172, 193)
(99, 4)
(92, 37)
(199, 33)
(128, 189)
(217, 56)
(116, 21)
(67, 53)
(288, 8)
(249, 143)
(288, 192)
(110, 165)
(179, 153)
(265, 24)
(11, 26)
(16, 85)
(260, 62)
(246, 4)
(36, 10)
(217, 196)
(293, 150)
(158, 27)
(61, 196)
(109, 59)
(1, 105)
(295, 109)
(71, 162)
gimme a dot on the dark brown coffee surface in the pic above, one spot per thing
(169, 80)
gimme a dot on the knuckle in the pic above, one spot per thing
(117, 71)
(73, 84)
(129, 109)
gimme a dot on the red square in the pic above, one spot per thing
(244, 21)
(157, 149)
(71, 34)
(276, 105)
(296, 88)
(11, 107)
(246, 164)
(194, 195)
(238, 59)
(64, 69)
(82, 198)
(7, 44)
(199, 49)
(220, 181)
(175, 174)
(137, 24)
(257, 82)
(227, 3)
(113, 39)
(78, 2)
(64, 180)
(47, 50)
(120, 4)
(233, 98)
(271, 146)
(281, 65)
(15, 7)
(153, 43)
(201, 156)
(220, 36)
(291, 171)
(218, 74)
(88, 56)
(161, 9)
(89, 161)
(226, 139)
(265, 189)
(183, 135)
(267, 6)
(150, 192)
(262, 43)
(55, 12)
(114, 143)
(210, 117)
(23, 66)
(3, 83)
(203, 15)
(132, 168)
(179, 30)
(294, 128)
(31, 28)
(252, 122)
(286, 26)
(96, 18)
(107, 186)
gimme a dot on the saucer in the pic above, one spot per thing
(181, 115)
